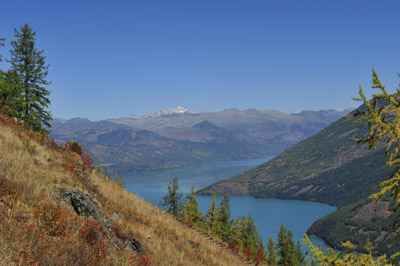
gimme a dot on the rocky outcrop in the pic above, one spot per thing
(83, 205)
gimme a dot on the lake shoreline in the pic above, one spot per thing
(269, 213)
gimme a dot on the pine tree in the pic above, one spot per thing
(251, 238)
(2, 40)
(191, 207)
(118, 180)
(272, 260)
(9, 93)
(28, 72)
(172, 202)
(289, 254)
(212, 215)
(223, 218)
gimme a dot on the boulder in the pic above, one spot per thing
(83, 205)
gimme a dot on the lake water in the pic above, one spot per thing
(268, 214)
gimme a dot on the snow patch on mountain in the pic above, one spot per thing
(172, 110)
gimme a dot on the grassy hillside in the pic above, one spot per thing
(39, 221)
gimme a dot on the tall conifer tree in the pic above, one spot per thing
(272, 260)
(8, 92)
(28, 72)
(191, 207)
(1, 45)
(212, 215)
(223, 218)
(173, 200)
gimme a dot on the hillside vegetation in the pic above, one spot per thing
(361, 222)
(43, 187)
(329, 167)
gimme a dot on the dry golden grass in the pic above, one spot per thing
(38, 227)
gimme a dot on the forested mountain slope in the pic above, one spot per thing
(329, 167)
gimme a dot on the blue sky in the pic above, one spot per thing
(117, 58)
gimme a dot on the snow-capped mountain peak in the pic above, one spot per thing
(172, 110)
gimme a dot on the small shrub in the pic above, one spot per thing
(53, 219)
(10, 188)
(120, 233)
(30, 147)
(91, 232)
(87, 162)
(74, 146)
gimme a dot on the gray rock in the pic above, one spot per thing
(136, 246)
(83, 205)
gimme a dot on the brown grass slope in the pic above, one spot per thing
(39, 227)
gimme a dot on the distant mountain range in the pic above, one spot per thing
(177, 137)
(329, 167)
(169, 111)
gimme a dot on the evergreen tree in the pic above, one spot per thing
(212, 215)
(251, 238)
(191, 207)
(9, 93)
(172, 202)
(118, 180)
(223, 218)
(289, 254)
(299, 254)
(28, 72)
(2, 40)
(272, 260)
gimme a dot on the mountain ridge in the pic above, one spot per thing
(189, 138)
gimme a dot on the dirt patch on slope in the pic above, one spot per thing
(371, 210)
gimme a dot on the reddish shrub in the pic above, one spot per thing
(10, 188)
(87, 162)
(53, 219)
(74, 146)
(119, 233)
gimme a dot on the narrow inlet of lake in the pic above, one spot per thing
(268, 214)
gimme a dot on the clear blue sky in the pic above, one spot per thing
(117, 58)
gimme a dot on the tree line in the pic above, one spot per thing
(23, 92)
(239, 233)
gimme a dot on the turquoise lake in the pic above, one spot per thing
(268, 214)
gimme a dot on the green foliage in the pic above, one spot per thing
(28, 75)
(289, 253)
(343, 225)
(172, 202)
(241, 234)
(118, 180)
(2, 40)
(272, 259)
(212, 212)
(329, 167)
(245, 234)
(349, 258)
(191, 208)
(382, 114)
(223, 218)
